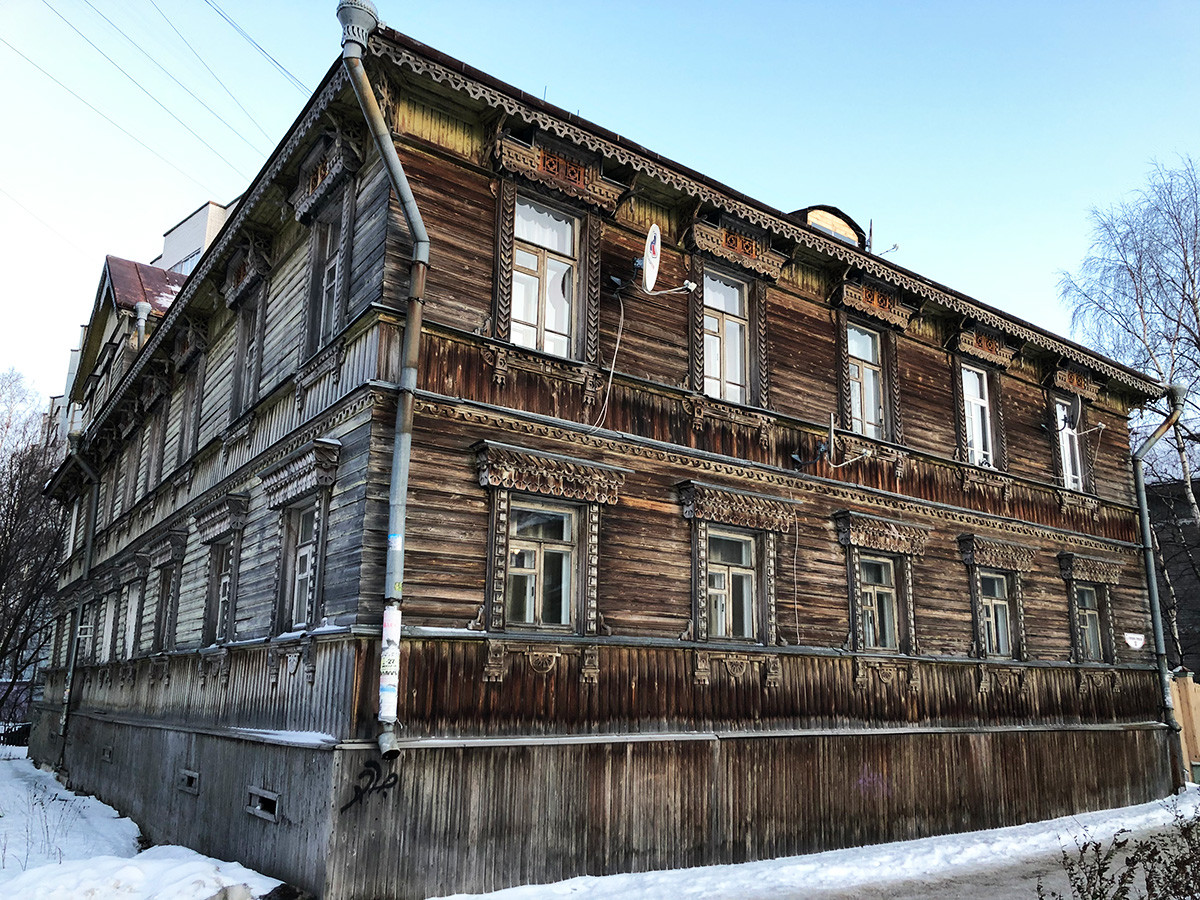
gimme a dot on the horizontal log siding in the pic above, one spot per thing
(616, 807)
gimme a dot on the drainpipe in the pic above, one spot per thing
(142, 309)
(73, 649)
(1176, 394)
(359, 19)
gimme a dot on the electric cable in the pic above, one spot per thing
(110, 121)
(603, 412)
(196, 54)
(165, 109)
(41, 220)
(257, 46)
(166, 72)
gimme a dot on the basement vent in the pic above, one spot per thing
(188, 781)
(263, 804)
(106, 754)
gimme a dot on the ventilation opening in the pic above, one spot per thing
(188, 781)
(106, 754)
(263, 804)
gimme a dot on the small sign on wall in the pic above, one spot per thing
(1135, 641)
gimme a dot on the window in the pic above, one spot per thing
(977, 410)
(541, 566)
(216, 620)
(878, 600)
(246, 363)
(865, 381)
(302, 568)
(189, 412)
(731, 585)
(162, 617)
(543, 279)
(326, 271)
(1069, 456)
(726, 326)
(1087, 609)
(994, 611)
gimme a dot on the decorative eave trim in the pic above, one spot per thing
(994, 554)
(741, 509)
(1076, 567)
(882, 305)
(222, 517)
(552, 167)
(986, 346)
(521, 469)
(775, 222)
(307, 470)
(856, 529)
(737, 246)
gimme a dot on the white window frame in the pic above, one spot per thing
(866, 369)
(1069, 455)
(718, 606)
(545, 257)
(997, 641)
(539, 547)
(723, 379)
(872, 597)
(326, 275)
(302, 566)
(1091, 643)
(980, 439)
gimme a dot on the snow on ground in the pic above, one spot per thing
(961, 864)
(55, 845)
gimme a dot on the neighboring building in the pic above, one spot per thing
(663, 616)
(183, 244)
(1178, 535)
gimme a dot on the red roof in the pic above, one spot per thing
(134, 281)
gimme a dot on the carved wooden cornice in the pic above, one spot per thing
(504, 359)
(877, 302)
(772, 221)
(169, 549)
(986, 346)
(741, 509)
(740, 247)
(856, 529)
(1076, 381)
(246, 269)
(135, 569)
(222, 517)
(560, 169)
(521, 469)
(1076, 567)
(338, 155)
(312, 467)
(994, 554)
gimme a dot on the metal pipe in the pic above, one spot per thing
(359, 19)
(142, 309)
(1177, 393)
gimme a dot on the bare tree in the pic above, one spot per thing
(1136, 297)
(31, 534)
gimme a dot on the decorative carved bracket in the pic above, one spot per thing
(1076, 381)
(741, 509)
(1076, 567)
(993, 554)
(222, 517)
(878, 302)
(560, 168)
(246, 269)
(855, 445)
(1073, 501)
(976, 479)
(308, 469)
(735, 666)
(521, 469)
(987, 346)
(888, 672)
(541, 658)
(876, 533)
(740, 246)
(337, 155)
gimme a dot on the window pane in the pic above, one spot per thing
(1086, 597)
(556, 587)
(886, 603)
(545, 227)
(876, 572)
(1003, 645)
(558, 296)
(525, 298)
(558, 344)
(973, 384)
(542, 524)
(520, 598)
(716, 612)
(729, 551)
(524, 335)
(994, 585)
(712, 356)
(308, 520)
(523, 259)
(725, 294)
(869, 636)
(872, 413)
(742, 599)
(735, 342)
(862, 344)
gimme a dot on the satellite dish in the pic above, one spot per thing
(1075, 416)
(650, 259)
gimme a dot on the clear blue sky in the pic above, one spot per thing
(976, 136)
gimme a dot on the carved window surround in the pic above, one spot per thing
(337, 155)
(733, 667)
(897, 540)
(994, 387)
(986, 346)
(876, 302)
(1014, 560)
(706, 505)
(504, 358)
(888, 672)
(542, 658)
(327, 361)
(561, 168)
(166, 556)
(747, 248)
(889, 364)
(191, 338)
(221, 518)
(303, 472)
(503, 469)
(247, 269)
(758, 371)
(1104, 574)
(1076, 381)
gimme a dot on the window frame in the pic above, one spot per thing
(544, 256)
(326, 301)
(1069, 448)
(1100, 577)
(989, 629)
(753, 568)
(294, 549)
(891, 426)
(539, 546)
(1091, 648)
(980, 413)
(725, 387)
(871, 604)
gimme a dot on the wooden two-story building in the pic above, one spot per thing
(800, 550)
